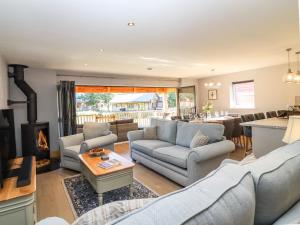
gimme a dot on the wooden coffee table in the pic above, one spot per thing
(104, 180)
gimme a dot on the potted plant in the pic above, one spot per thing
(207, 108)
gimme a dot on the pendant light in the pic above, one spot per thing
(289, 77)
(212, 84)
(297, 75)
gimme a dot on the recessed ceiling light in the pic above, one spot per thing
(101, 50)
(131, 24)
(149, 68)
(85, 64)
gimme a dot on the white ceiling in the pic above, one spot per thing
(177, 38)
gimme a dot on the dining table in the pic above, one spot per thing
(219, 119)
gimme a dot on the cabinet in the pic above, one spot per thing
(17, 205)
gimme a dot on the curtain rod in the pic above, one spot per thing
(123, 78)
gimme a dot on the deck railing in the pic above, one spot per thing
(140, 117)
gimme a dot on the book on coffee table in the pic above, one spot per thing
(109, 163)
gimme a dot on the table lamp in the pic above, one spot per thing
(292, 133)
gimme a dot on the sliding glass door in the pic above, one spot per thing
(186, 100)
(105, 104)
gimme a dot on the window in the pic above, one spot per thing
(242, 95)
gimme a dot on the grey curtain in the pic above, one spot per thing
(66, 108)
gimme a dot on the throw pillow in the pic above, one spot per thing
(199, 140)
(150, 133)
(93, 130)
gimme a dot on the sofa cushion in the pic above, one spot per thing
(147, 146)
(166, 129)
(98, 142)
(140, 155)
(110, 211)
(275, 196)
(150, 133)
(186, 132)
(176, 155)
(93, 130)
(199, 140)
(290, 217)
(226, 197)
(72, 151)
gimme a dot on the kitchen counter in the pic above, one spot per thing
(267, 134)
(275, 123)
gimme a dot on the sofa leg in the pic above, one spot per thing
(133, 160)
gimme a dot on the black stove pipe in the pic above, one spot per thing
(18, 75)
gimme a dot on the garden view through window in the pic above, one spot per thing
(105, 104)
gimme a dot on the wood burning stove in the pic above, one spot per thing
(35, 135)
(35, 140)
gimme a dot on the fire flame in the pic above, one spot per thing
(42, 141)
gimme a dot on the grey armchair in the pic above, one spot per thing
(94, 135)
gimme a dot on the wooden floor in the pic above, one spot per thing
(52, 199)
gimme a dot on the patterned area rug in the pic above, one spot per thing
(83, 197)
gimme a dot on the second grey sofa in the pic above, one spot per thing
(170, 153)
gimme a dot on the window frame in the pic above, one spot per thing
(233, 104)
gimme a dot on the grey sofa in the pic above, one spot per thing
(170, 154)
(262, 192)
(94, 135)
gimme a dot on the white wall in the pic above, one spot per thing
(270, 92)
(3, 83)
(43, 83)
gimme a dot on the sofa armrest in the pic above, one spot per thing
(71, 140)
(227, 161)
(98, 142)
(52, 221)
(135, 135)
(210, 151)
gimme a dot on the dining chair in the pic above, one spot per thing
(184, 120)
(233, 114)
(229, 126)
(259, 116)
(176, 117)
(186, 117)
(238, 132)
(271, 114)
(282, 113)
